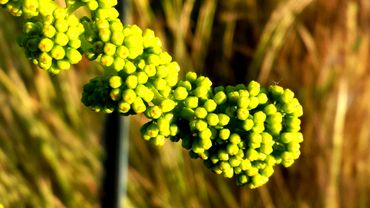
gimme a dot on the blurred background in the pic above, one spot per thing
(50, 144)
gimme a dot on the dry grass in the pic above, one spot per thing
(319, 48)
(49, 143)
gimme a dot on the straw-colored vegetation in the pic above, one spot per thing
(49, 143)
(50, 149)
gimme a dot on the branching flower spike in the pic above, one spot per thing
(240, 131)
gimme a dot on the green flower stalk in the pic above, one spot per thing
(240, 131)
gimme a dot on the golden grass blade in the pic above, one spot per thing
(203, 33)
(273, 36)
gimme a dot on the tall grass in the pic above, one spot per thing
(49, 143)
(318, 48)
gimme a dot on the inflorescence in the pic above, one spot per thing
(240, 131)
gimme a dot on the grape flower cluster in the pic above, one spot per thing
(240, 131)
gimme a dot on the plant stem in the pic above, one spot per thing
(72, 8)
(116, 160)
(116, 139)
